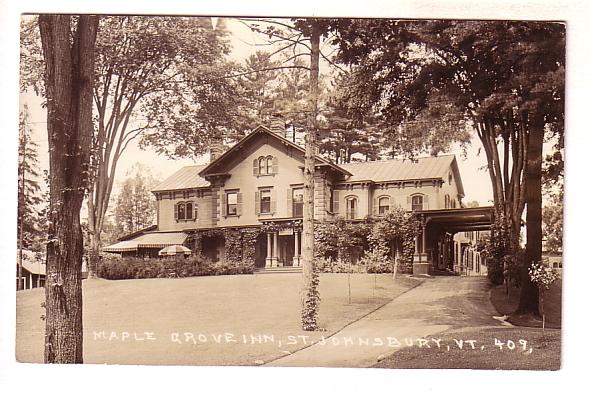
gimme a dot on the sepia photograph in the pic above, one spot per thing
(290, 191)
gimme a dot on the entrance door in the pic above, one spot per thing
(287, 249)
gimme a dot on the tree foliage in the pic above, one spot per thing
(503, 79)
(30, 220)
(135, 206)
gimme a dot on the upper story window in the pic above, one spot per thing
(185, 211)
(450, 178)
(265, 165)
(383, 204)
(232, 203)
(351, 208)
(417, 202)
(265, 201)
(447, 201)
(298, 202)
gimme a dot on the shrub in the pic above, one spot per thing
(129, 268)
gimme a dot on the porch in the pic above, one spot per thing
(435, 246)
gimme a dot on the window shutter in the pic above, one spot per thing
(409, 202)
(257, 203)
(196, 212)
(273, 202)
(336, 207)
(375, 206)
(425, 202)
(176, 212)
(188, 211)
(255, 167)
(289, 202)
(239, 206)
(275, 165)
(391, 204)
(224, 204)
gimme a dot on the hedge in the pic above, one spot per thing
(113, 268)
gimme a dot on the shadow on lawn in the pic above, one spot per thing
(506, 303)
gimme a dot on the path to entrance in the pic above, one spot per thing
(437, 305)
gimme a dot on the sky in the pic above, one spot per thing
(245, 42)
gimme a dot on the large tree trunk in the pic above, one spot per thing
(310, 296)
(69, 70)
(529, 295)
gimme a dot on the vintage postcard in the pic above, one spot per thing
(287, 192)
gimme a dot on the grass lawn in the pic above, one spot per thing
(223, 320)
(545, 354)
(507, 303)
(545, 345)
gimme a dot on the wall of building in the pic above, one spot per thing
(166, 206)
(243, 180)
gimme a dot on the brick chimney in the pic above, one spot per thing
(277, 125)
(215, 149)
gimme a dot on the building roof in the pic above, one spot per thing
(148, 240)
(385, 170)
(212, 166)
(184, 178)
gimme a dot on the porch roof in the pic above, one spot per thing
(148, 240)
(460, 220)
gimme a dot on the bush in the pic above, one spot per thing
(116, 268)
(330, 265)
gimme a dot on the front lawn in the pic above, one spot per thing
(220, 320)
(491, 351)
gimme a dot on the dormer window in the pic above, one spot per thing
(450, 178)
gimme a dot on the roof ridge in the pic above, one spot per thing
(397, 159)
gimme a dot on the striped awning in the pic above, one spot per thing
(148, 240)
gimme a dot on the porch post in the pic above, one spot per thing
(296, 259)
(459, 257)
(268, 260)
(276, 247)
(424, 239)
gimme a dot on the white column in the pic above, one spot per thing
(296, 259)
(268, 260)
(459, 257)
(276, 248)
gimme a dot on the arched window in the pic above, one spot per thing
(417, 202)
(383, 205)
(447, 201)
(262, 166)
(351, 208)
(269, 161)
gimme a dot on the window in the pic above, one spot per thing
(298, 202)
(232, 204)
(265, 201)
(450, 178)
(447, 201)
(265, 165)
(184, 211)
(417, 202)
(351, 208)
(262, 167)
(383, 205)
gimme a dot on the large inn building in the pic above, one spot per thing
(257, 185)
